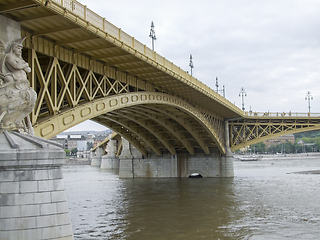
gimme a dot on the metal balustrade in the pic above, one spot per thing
(280, 114)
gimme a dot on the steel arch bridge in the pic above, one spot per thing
(83, 67)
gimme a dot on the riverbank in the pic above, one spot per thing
(312, 155)
(291, 156)
(78, 161)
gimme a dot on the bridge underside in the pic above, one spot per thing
(160, 129)
(151, 121)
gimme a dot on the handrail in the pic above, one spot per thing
(82, 11)
(280, 114)
(116, 33)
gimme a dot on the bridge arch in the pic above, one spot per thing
(151, 121)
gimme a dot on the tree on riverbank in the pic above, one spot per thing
(303, 144)
(74, 151)
(67, 152)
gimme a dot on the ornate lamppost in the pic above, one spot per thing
(242, 94)
(309, 98)
(152, 35)
(223, 88)
(191, 63)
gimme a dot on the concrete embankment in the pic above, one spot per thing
(78, 161)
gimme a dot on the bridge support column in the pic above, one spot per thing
(227, 159)
(110, 161)
(181, 165)
(133, 164)
(126, 161)
(96, 159)
(33, 202)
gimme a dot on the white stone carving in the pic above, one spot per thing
(17, 98)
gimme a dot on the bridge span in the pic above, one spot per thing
(84, 67)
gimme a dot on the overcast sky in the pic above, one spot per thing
(271, 48)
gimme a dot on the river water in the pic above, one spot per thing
(265, 200)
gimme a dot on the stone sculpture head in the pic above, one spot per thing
(16, 46)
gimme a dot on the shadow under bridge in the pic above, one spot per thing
(153, 122)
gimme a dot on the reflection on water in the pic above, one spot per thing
(261, 202)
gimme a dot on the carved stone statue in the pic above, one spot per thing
(17, 98)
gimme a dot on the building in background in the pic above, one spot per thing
(279, 140)
(62, 139)
(82, 145)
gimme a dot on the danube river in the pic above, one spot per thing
(265, 200)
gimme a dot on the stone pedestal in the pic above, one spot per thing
(33, 202)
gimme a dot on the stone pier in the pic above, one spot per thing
(126, 169)
(133, 164)
(96, 159)
(33, 202)
(109, 160)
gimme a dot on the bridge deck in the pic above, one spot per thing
(70, 25)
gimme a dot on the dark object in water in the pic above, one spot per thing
(195, 175)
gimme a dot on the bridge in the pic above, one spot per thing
(84, 67)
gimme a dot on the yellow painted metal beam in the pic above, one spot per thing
(168, 126)
(143, 124)
(133, 129)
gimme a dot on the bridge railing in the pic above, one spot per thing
(280, 114)
(82, 11)
(101, 23)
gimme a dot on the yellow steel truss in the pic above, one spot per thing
(61, 86)
(69, 95)
(251, 130)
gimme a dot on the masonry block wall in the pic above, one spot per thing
(33, 202)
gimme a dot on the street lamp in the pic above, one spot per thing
(217, 84)
(191, 64)
(223, 89)
(242, 94)
(309, 98)
(152, 35)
